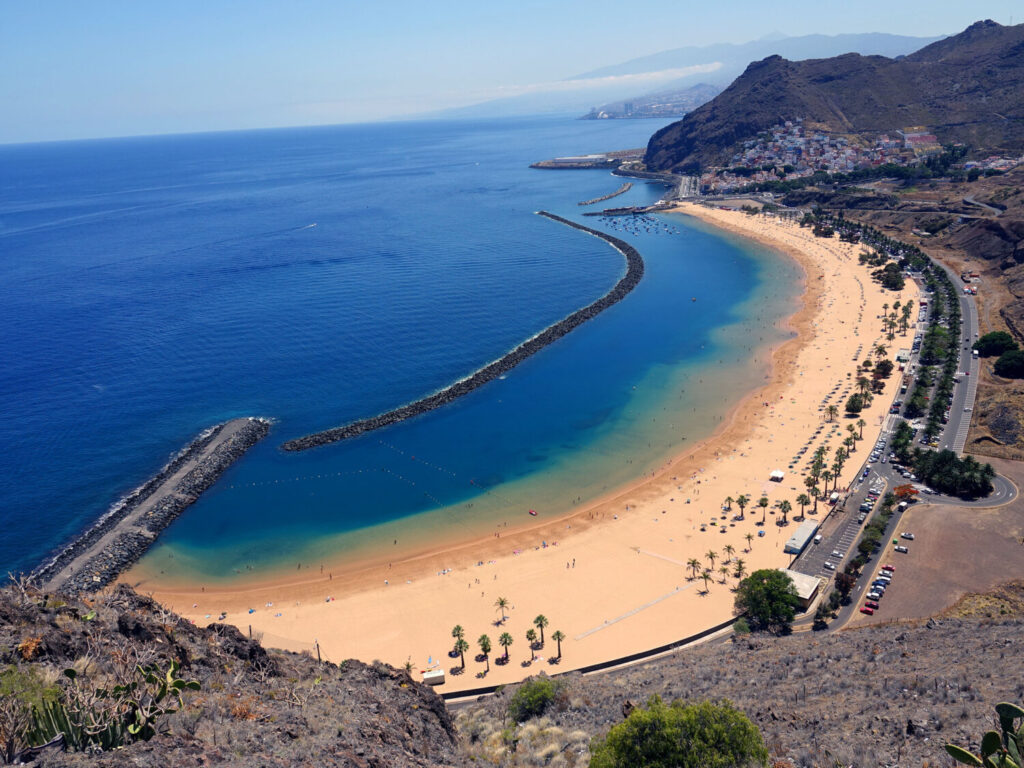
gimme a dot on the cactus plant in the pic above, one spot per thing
(102, 719)
(997, 750)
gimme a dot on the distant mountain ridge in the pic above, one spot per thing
(717, 64)
(738, 55)
(968, 88)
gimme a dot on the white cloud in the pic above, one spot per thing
(639, 79)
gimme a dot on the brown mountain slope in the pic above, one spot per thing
(967, 88)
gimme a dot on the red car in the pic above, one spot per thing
(868, 611)
(872, 605)
(888, 567)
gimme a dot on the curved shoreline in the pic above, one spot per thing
(120, 537)
(505, 363)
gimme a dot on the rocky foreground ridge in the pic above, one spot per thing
(967, 88)
(885, 696)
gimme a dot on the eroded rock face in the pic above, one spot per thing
(994, 240)
(255, 707)
(1004, 425)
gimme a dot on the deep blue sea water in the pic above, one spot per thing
(153, 286)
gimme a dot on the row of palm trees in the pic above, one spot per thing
(505, 639)
(889, 320)
(739, 569)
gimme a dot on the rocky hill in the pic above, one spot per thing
(890, 695)
(966, 88)
(252, 707)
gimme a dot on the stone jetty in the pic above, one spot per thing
(620, 191)
(119, 538)
(634, 273)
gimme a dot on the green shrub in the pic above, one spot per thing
(708, 735)
(769, 600)
(995, 344)
(1010, 365)
(532, 698)
(741, 627)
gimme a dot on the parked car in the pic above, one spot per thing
(868, 611)
(874, 595)
(829, 566)
(872, 604)
(836, 553)
(899, 548)
(906, 535)
(887, 567)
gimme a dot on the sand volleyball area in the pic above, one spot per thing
(616, 576)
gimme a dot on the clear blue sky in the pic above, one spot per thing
(88, 68)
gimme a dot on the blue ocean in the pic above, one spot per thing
(154, 286)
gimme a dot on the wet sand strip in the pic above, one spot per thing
(634, 273)
(122, 535)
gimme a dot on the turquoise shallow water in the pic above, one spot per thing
(154, 286)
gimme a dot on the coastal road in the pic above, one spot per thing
(842, 526)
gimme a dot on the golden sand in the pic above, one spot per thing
(617, 580)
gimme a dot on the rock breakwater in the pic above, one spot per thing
(620, 191)
(119, 538)
(634, 273)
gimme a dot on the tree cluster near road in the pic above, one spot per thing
(769, 600)
(995, 344)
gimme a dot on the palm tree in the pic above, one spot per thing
(750, 540)
(861, 424)
(485, 648)
(501, 604)
(880, 350)
(850, 442)
(741, 502)
(458, 633)
(462, 646)
(741, 569)
(763, 504)
(540, 622)
(711, 555)
(728, 502)
(826, 476)
(831, 412)
(853, 433)
(730, 550)
(706, 575)
(694, 565)
(803, 500)
(724, 570)
(505, 640)
(558, 637)
(531, 638)
(785, 508)
(863, 385)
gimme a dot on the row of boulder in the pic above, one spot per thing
(634, 273)
(129, 546)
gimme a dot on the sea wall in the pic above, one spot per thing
(620, 191)
(119, 538)
(634, 273)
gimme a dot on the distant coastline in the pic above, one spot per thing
(634, 273)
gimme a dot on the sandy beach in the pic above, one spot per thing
(612, 576)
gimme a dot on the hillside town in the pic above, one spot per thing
(789, 151)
